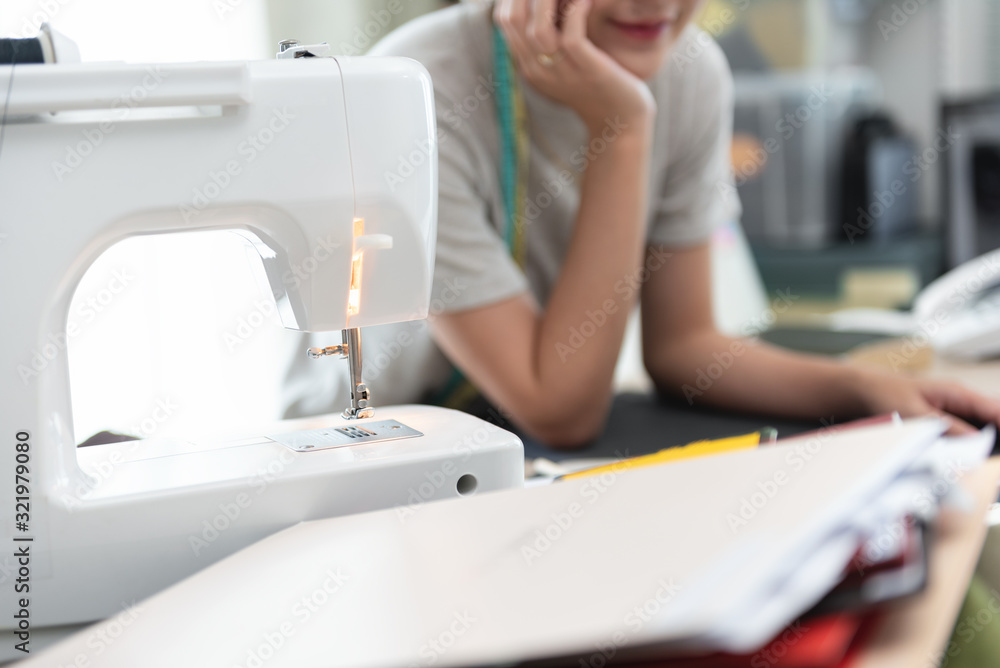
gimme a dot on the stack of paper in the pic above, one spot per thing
(719, 553)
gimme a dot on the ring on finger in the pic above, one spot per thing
(547, 59)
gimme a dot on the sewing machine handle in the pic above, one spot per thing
(77, 86)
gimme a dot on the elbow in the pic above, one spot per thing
(567, 430)
(659, 372)
(665, 382)
(567, 438)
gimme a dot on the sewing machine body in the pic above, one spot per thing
(164, 509)
(288, 154)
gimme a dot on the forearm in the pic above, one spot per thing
(748, 375)
(575, 350)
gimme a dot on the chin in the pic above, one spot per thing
(645, 66)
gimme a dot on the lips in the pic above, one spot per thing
(644, 31)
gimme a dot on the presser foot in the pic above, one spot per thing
(350, 349)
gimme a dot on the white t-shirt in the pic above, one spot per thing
(690, 188)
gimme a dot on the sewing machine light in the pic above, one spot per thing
(354, 296)
(362, 242)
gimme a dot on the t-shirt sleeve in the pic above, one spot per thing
(473, 266)
(697, 193)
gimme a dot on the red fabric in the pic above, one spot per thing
(864, 635)
(825, 642)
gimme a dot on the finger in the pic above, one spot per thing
(932, 407)
(512, 14)
(982, 409)
(542, 33)
(525, 57)
(575, 42)
(960, 400)
(957, 426)
(501, 12)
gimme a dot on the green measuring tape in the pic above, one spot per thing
(458, 392)
(512, 123)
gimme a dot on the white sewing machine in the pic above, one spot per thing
(299, 155)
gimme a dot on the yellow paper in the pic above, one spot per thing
(689, 451)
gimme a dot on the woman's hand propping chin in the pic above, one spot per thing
(551, 50)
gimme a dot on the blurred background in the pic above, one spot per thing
(862, 96)
(866, 154)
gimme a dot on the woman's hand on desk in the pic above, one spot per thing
(883, 393)
(549, 44)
